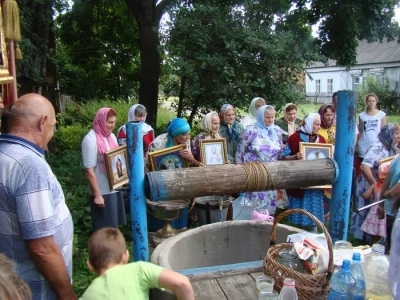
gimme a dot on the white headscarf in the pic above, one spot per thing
(252, 107)
(206, 122)
(308, 123)
(131, 117)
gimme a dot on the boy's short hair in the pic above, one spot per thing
(106, 246)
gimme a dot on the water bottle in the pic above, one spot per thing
(342, 283)
(288, 291)
(376, 274)
(358, 274)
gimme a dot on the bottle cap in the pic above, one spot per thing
(346, 264)
(357, 256)
(289, 282)
(378, 248)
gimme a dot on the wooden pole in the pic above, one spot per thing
(231, 179)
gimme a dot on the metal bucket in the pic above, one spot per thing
(212, 209)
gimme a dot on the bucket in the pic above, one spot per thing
(208, 209)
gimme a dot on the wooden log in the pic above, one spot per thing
(231, 179)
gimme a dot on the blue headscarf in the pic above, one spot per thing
(176, 127)
(266, 130)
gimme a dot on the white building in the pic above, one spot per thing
(381, 60)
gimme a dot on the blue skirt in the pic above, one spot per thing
(312, 202)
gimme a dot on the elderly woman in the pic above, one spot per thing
(177, 134)
(255, 104)
(261, 142)
(230, 129)
(209, 126)
(385, 147)
(327, 113)
(289, 122)
(137, 113)
(106, 206)
(310, 200)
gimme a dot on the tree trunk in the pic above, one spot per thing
(194, 110)
(148, 22)
(181, 96)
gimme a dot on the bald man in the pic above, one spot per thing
(36, 227)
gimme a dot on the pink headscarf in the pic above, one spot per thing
(99, 126)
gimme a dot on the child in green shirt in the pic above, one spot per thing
(119, 280)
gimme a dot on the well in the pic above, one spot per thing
(222, 243)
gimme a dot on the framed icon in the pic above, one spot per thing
(167, 159)
(117, 166)
(213, 152)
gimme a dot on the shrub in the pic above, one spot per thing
(387, 96)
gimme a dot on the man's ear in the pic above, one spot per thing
(42, 122)
(125, 257)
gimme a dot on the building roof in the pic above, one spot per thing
(371, 53)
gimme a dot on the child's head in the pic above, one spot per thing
(106, 248)
(11, 286)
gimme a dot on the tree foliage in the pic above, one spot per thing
(98, 50)
(230, 54)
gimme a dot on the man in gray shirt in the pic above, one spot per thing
(36, 227)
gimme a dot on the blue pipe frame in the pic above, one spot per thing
(137, 199)
(346, 113)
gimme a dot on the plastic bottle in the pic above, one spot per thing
(376, 274)
(342, 283)
(358, 274)
(288, 291)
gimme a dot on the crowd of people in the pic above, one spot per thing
(38, 233)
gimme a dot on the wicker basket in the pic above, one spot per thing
(309, 287)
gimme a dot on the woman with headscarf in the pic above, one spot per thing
(255, 104)
(177, 134)
(385, 147)
(209, 126)
(137, 113)
(106, 206)
(230, 129)
(308, 199)
(289, 122)
(327, 113)
(261, 141)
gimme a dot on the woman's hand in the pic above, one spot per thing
(99, 201)
(187, 154)
(299, 156)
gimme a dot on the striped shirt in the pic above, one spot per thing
(32, 206)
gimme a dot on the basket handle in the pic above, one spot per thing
(319, 224)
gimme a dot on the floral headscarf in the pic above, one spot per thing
(233, 131)
(386, 137)
(322, 110)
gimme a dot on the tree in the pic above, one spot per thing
(98, 53)
(230, 54)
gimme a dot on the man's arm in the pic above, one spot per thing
(176, 282)
(50, 263)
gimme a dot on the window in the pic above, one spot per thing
(330, 86)
(318, 86)
(356, 83)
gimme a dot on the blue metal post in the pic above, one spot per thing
(134, 140)
(346, 113)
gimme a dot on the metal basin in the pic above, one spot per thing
(167, 210)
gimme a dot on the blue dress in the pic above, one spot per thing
(312, 200)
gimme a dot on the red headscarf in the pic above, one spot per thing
(99, 126)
